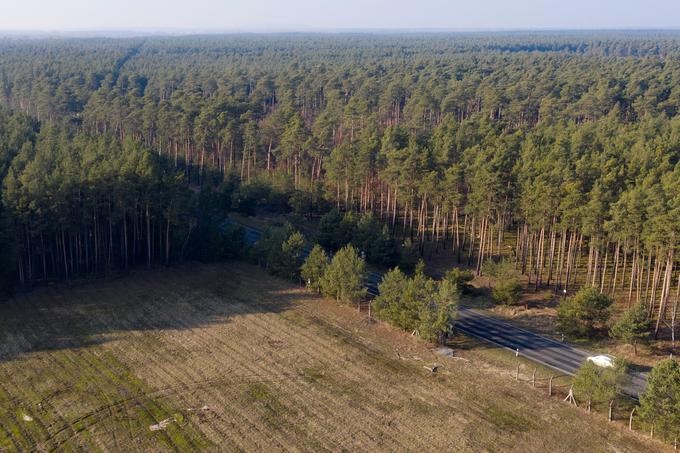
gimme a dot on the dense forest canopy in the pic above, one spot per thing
(123, 151)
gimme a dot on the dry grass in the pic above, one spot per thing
(232, 359)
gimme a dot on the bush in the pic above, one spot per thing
(461, 278)
(507, 291)
(344, 277)
(583, 313)
(506, 286)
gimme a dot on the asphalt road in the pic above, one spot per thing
(546, 351)
(557, 355)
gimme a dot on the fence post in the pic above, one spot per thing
(630, 419)
(611, 403)
(550, 385)
(533, 379)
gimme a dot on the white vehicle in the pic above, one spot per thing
(604, 360)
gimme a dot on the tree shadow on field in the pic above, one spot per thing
(179, 298)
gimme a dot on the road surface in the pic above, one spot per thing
(546, 351)
(557, 355)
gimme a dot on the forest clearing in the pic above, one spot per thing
(186, 359)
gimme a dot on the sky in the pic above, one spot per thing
(306, 15)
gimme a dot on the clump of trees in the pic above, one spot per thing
(585, 312)
(418, 303)
(660, 402)
(345, 276)
(632, 327)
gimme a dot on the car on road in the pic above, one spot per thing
(603, 360)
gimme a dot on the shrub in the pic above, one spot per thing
(506, 286)
(461, 278)
(507, 291)
(583, 313)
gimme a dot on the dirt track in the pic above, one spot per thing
(227, 358)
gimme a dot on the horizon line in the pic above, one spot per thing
(301, 29)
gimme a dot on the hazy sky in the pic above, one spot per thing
(327, 14)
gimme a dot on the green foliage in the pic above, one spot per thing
(314, 268)
(364, 232)
(632, 327)
(499, 269)
(598, 384)
(336, 230)
(506, 286)
(259, 194)
(437, 316)
(409, 255)
(7, 257)
(507, 291)
(461, 278)
(660, 402)
(573, 130)
(418, 303)
(583, 313)
(280, 251)
(210, 242)
(344, 277)
(373, 238)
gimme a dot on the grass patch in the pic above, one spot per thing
(272, 411)
(507, 421)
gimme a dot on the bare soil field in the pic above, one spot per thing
(226, 358)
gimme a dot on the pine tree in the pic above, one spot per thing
(660, 402)
(314, 268)
(344, 277)
(632, 327)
